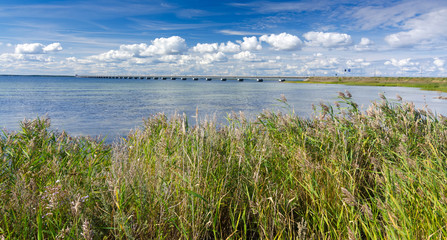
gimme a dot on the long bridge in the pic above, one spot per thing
(197, 77)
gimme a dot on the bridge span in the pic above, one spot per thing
(201, 77)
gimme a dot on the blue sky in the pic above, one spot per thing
(290, 38)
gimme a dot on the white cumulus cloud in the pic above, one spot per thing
(20, 58)
(166, 46)
(132, 49)
(405, 64)
(160, 47)
(250, 44)
(54, 47)
(229, 47)
(245, 56)
(37, 48)
(125, 51)
(213, 57)
(205, 47)
(359, 62)
(327, 39)
(438, 62)
(29, 48)
(113, 55)
(169, 58)
(364, 45)
(323, 63)
(283, 41)
(425, 28)
(214, 47)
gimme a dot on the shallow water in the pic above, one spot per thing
(111, 107)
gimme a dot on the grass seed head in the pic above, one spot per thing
(348, 94)
(351, 234)
(87, 232)
(367, 211)
(349, 198)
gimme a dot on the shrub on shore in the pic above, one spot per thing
(341, 174)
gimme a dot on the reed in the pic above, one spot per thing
(341, 174)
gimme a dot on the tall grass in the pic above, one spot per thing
(343, 174)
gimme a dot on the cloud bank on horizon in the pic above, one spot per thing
(290, 38)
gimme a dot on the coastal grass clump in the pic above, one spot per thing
(342, 174)
(49, 181)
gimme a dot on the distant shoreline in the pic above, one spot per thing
(424, 83)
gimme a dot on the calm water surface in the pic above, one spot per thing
(111, 107)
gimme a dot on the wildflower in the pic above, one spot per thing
(53, 197)
(83, 199)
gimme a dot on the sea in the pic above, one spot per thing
(111, 108)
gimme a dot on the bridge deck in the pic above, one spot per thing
(216, 77)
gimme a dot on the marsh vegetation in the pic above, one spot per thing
(342, 174)
(424, 83)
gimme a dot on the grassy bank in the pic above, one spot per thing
(340, 175)
(424, 83)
